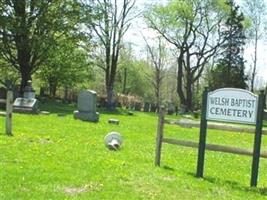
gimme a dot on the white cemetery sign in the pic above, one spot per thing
(232, 105)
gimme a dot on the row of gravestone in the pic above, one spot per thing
(87, 101)
(146, 107)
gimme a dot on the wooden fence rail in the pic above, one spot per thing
(217, 126)
(212, 147)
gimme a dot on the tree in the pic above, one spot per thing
(256, 11)
(230, 70)
(157, 58)
(7, 74)
(137, 82)
(193, 28)
(67, 66)
(125, 67)
(29, 29)
(112, 23)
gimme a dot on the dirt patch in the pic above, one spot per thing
(82, 189)
(45, 141)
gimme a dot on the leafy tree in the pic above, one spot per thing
(29, 29)
(67, 66)
(7, 74)
(229, 72)
(131, 78)
(193, 28)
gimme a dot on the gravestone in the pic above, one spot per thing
(182, 109)
(171, 108)
(265, 115)
(114, 121)
(2, 96)
(87, 106)
(113, 141)
(146, 107)
(28, 103)
(153, 107)
(137, 106)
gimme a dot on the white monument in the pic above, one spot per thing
(28, 103)
(113, 140)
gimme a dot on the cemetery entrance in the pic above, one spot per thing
(224, 105)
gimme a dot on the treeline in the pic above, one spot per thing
(73, 44)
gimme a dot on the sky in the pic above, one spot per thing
(138, 30)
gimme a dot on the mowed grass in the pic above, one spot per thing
(56, 157)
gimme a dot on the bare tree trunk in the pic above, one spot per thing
(22, 44)
(52, 88)
(180, 75)
(66, 92)
(255, 62)
(25, 76)
(124, 81)
(189, 92)
(110, 100)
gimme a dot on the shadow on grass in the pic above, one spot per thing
(233, 184)
(57, 107)
(168, 168)
(62, 109)
(3, 133)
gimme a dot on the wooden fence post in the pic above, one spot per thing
(9, 109)
(159, 136)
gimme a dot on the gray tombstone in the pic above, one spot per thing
(170, 108)
(2, 96)
(28, 103)
(137, 106)
(265, 114)
(153, 107)
(87, 106)
(146, 107)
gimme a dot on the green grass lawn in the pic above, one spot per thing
(56, 157)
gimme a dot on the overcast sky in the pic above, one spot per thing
(134, 36)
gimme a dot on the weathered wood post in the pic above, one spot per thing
(159, 136)
(257, 141)
(202, 135)
(9, 109)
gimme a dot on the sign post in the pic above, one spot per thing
(232, 105)
(257, 141)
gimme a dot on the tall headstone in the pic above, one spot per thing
(87, 106)
(170, 108)
(28, 103)
(153, 107)
(137, 106)
(146, 107)
(2, 96)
